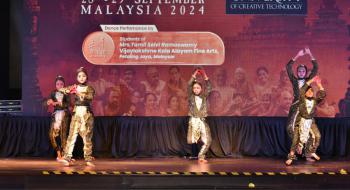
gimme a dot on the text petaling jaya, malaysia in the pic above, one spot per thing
(139, 7)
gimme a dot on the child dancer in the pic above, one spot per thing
(306, 131)
(297, 83)
(82, 118)
(198, 127)
(60, 115)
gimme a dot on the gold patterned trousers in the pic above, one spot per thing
(59, 129)
(198, 129)
(82, 124)
(311, 139)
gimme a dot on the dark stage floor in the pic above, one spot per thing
(174, 173)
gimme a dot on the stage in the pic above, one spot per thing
(129, 63)
(150, 153)
(174, 173)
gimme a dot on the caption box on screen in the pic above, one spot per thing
(154, 48)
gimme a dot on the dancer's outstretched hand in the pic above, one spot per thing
(49, 102)
(317, 80)
(204, 74)
(195, 73)
(308, 51)
(299, 54)
(73, 89)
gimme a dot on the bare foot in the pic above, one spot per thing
(289, 162)
(202, 160)
(59, 155)
(90, 164)
(314, 155)
(65, 162)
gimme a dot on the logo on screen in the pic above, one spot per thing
(284, 7)
(98, 48)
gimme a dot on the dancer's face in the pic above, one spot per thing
(59, 84)
(81, 78)
(301, 72)
(197, 89)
